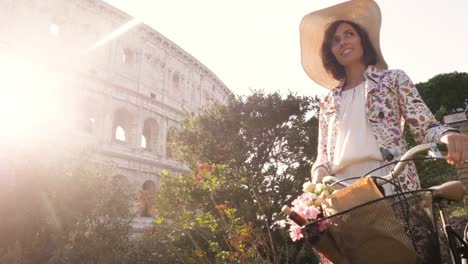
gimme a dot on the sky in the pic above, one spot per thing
(254, 44)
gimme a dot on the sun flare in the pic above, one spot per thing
(32, 102)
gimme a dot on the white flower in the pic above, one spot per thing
(319, 188)
(324, 194)
(308, 187)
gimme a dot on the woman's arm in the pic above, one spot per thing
(424, 127)
(322, 166)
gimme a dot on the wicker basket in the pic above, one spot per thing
(394, 229)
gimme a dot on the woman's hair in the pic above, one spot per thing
(329, 60)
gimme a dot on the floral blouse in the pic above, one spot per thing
(392, 100)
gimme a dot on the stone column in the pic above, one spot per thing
(106, 133)
(164, 133)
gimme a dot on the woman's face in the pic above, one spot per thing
(346, 45)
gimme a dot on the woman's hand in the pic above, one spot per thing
(457, 144)
(318, 174)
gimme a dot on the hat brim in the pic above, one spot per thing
(365, 13)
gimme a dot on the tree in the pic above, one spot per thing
(266, 144)
(445, 93)
(266, 137)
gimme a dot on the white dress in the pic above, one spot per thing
(356, 150)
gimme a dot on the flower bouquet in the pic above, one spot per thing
(309, 207)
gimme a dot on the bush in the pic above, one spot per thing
(63, 209)
(212, 224)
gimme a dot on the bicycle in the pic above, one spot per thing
(404, 222)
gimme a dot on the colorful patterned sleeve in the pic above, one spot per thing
(424, 127)
(322, 155)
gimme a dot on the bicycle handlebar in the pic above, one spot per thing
(452, 191)
(433, 149)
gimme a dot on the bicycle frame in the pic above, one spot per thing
(458, 245)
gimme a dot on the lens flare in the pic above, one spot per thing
(32, 102)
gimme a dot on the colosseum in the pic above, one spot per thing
(131, 83)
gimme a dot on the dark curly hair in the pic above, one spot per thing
(328, 59)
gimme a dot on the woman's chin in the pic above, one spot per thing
(351, 62)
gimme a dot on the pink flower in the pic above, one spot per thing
(308, 205)
(295, 232)
(322, 225)
(308, 197)
(311, 212)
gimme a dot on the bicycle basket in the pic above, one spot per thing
(395, 229)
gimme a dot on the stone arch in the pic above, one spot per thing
(128, 56)
(147, 198)
(87, 114)
(176, 81)
(149, 186)
(122, 125)
(149, 137)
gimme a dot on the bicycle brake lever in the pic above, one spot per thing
(434, 152)
(329, 179)
(333, 181)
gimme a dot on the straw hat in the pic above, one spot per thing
(365, 13)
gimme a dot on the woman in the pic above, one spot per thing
(363, 116)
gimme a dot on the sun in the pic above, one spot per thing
(38, 100)
(32, 101)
